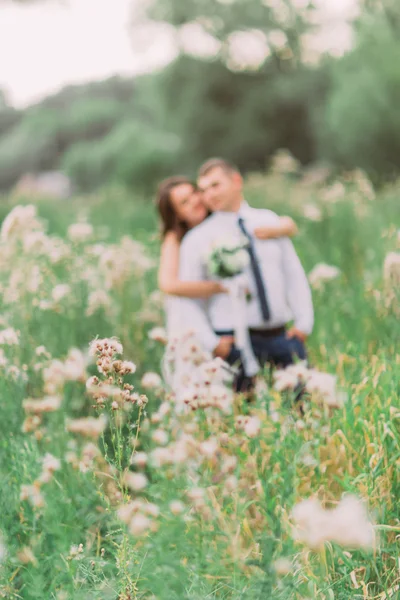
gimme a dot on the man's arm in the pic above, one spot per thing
(298, 291)
(194, 313)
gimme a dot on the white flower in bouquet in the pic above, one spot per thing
(228, 257)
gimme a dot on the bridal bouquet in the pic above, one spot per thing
(227, 260)
(228, 257)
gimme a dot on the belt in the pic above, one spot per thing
(265, 333)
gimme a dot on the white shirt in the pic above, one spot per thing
(287, 289)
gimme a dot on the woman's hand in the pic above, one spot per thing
(219, 288)
(265, 233)
(286, 228)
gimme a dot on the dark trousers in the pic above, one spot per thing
(277, 350)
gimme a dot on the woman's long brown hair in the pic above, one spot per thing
(169, 219)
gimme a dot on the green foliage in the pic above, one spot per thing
(355, 449)
(362, 122)
(132, 154)
(221, 19)
(134, 132)
(246, 117)
(351, 450)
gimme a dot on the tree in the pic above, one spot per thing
(277, 25)
(362, 120)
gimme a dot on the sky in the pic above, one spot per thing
(49, 44)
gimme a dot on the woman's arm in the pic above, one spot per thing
(286, 228)
(168, 274)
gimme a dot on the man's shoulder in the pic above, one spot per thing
(265, 214)
(199, 232)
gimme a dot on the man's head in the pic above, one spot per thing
(221, 184)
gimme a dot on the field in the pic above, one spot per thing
(147, 503)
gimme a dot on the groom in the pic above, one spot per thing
(277, 283)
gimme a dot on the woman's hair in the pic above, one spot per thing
(169, 218)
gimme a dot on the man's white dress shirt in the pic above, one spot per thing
(287, 288)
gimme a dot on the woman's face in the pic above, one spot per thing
(188, 204)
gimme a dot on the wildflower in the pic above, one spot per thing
(105, 347)
(47, 404)
(252, 427)
(98, 300)
(125, 512)
(391, 270)
(139, 524)
(151, 381)
(54, 377)
(196, 495)
(75, 366)
(158, 334)
(151, 509)
(312, 212)
(124, 367)
(26, 556)
(92, 382)
(363, 184)
(75, 552)
(51, 463)
(209, 448)
(284, 381)
(222, 398)
(88, 426)
(80, 232)
(176, 507)
(230, 485)
(283, 162)
(334, 193)
(90, 451)
(298, 369)
(41, 351)
(31, 423)
(214, 372)
(60, 291)
(139, 459)
(34, 280)
(160, 437)
(282, 566)
(35, 242)
(135, 481)
(20, 220)
(119, 262)
(9, 337)
(71, 458)
(347, 524)
(160, 457)
(322, 273)
(141, 401)
(33, 494)
(324, 385)
(229, 464)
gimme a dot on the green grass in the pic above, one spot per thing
(224, 549)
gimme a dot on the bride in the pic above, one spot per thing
(181, 208)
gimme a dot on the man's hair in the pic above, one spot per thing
(215, 163)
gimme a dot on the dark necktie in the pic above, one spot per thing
(255, 267)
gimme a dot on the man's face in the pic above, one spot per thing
(221, 190)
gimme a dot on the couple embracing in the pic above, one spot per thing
(279, 315)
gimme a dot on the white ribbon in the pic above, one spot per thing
(237, 289)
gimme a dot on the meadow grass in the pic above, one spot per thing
(236, 503)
